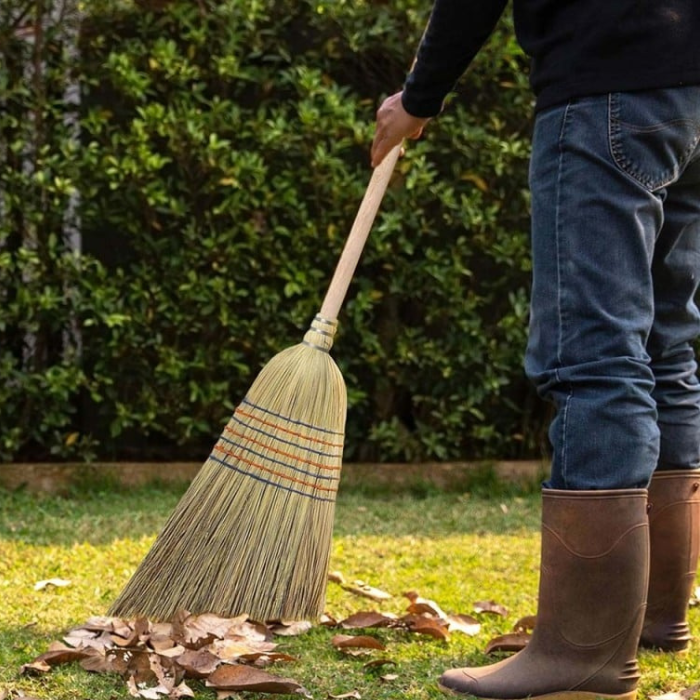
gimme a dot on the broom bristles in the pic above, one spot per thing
(253, 532)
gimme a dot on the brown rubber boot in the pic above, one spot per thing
(593, 585)
(674, 536)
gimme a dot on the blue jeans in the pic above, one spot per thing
(615, 182)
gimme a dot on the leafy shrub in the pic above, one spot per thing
(222, 154)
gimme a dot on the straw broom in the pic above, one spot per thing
(253, 532)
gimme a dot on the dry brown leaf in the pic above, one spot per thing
(336, 577)
(420, 606)
(132, 687)
(343, 696)
(35, 668)
(80, 638)
(133, 635)
(56, 655)
(182, 691)
(347, 641)
(97, 664)
(261, 659)
(291, 629)
(466, 624)
(219, 626)
(98, 624)
(366, 620)
(56, 582)
(155, 693)
(525, 624)
(251, 630)
(168, 673)
(161, 629)
(327, 621)
(359, 587)
(191, 632)
(490, 606)
(160, 644)
(364, 589)
(79, 633)
(139, 690)
(687, 694)
(427, 625)
(508, 642)
(138, 665)
(122, 628)
(235, 677)
(232, 649)
(389, 677)
(198, 663)
(109, 663)
(173, 652)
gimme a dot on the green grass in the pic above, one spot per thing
(456, 548)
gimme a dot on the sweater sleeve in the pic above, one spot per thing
(456, 31)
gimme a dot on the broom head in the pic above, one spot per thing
(253, 532)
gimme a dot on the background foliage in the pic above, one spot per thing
(213, 159)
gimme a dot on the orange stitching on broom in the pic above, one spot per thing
(277, 438)
(286, 430)
(280, 452)
(272, 471)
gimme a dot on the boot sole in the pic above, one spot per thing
(559, 695)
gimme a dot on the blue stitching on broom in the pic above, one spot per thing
(290, 420)
(271, 483)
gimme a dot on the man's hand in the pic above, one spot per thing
(394, 124)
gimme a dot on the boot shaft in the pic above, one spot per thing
(595, 562)
(674, 530)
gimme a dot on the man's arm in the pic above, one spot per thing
(456, 31)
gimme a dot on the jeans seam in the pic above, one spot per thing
(558, 234)
(560, 304)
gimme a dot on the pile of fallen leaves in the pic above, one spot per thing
(155, 658)
(229, 655)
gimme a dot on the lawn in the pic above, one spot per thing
(454, 548)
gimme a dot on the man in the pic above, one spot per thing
(615, 182)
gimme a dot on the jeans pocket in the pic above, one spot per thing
(654, 133)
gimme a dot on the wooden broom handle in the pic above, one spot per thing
(350, 256)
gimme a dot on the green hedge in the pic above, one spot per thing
(220, 153)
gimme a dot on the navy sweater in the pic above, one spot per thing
(577, 47)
